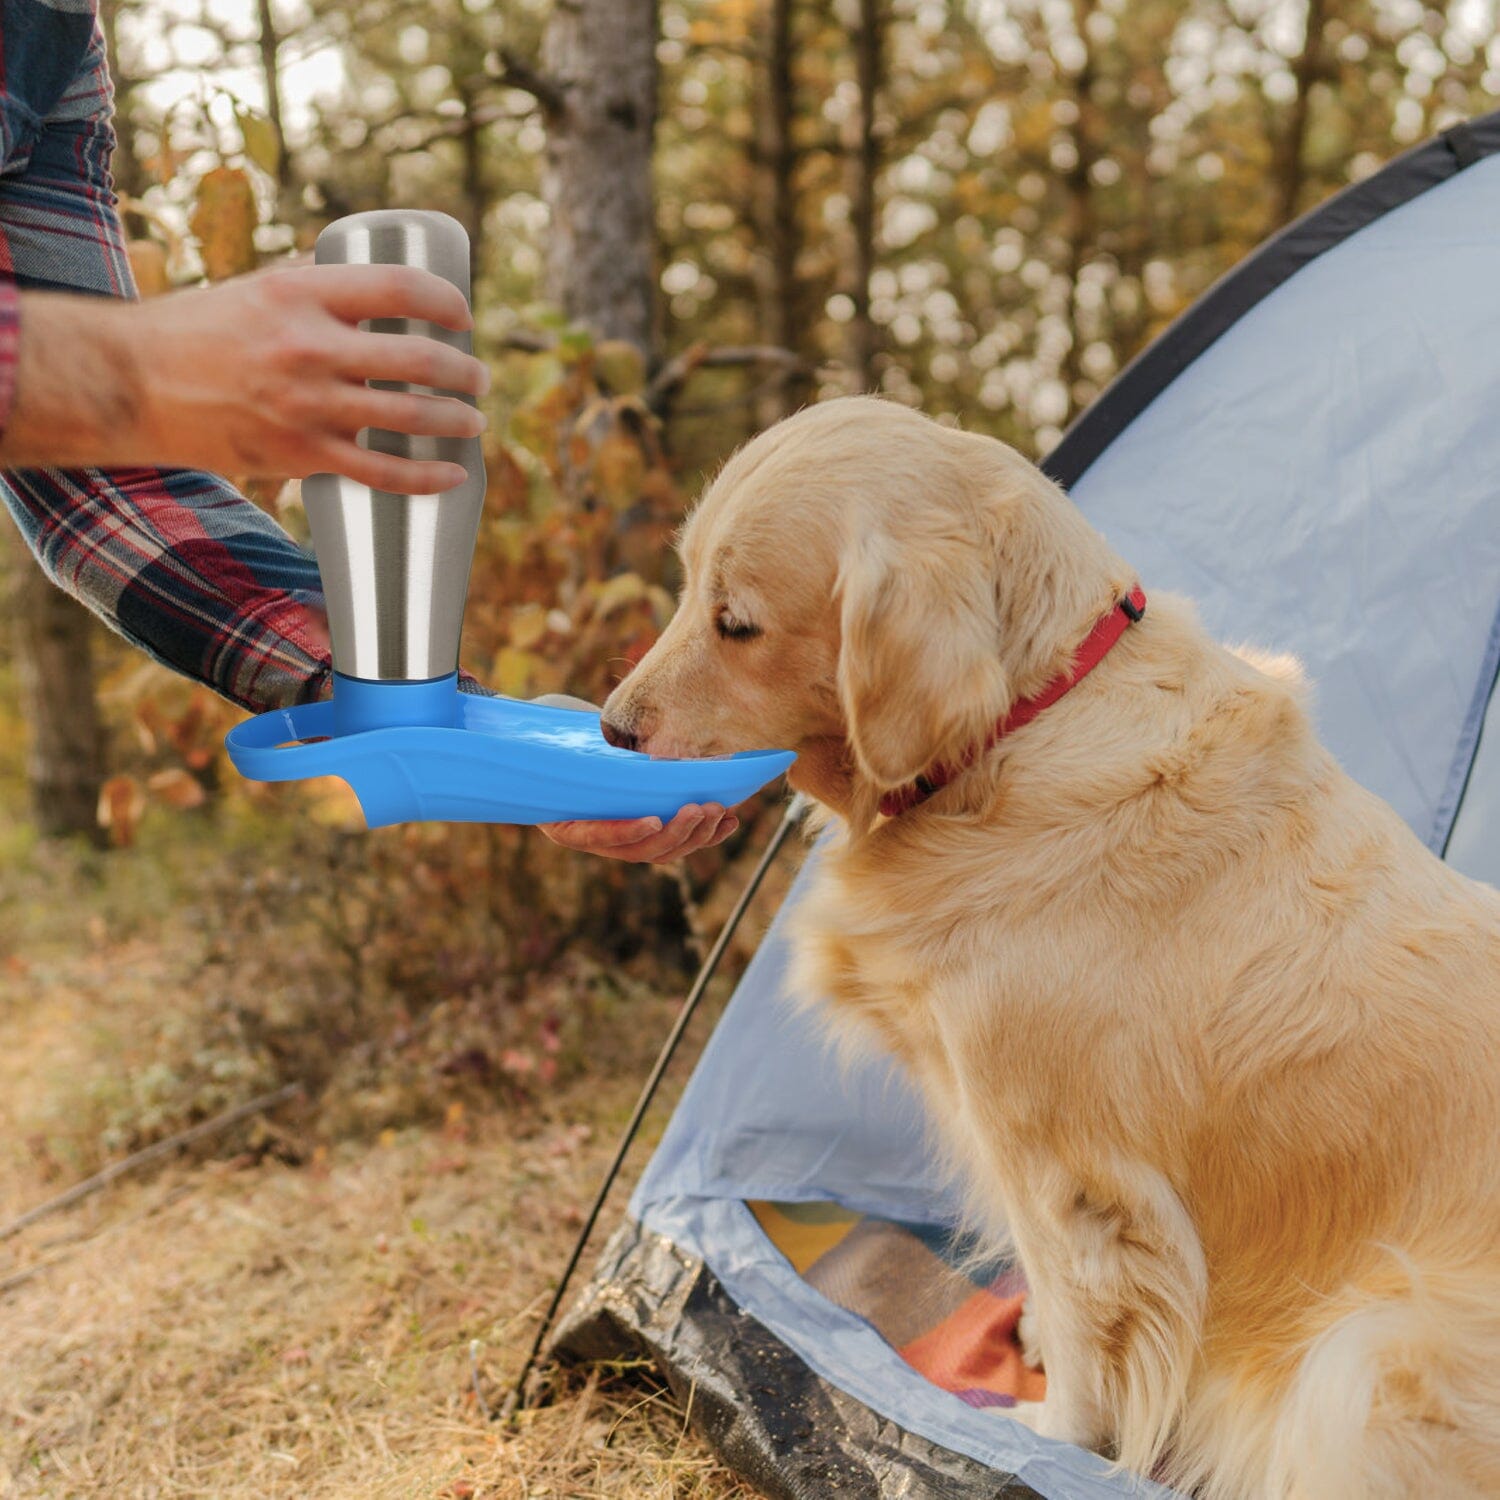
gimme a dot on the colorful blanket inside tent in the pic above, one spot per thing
(951, 1317)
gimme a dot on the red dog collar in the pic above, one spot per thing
(1093, 650)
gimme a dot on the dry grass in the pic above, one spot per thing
(262, 1330)
(293, 1313)
(296, 1318)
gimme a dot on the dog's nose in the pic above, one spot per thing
(621, 739)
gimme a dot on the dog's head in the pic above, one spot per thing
(869, 588)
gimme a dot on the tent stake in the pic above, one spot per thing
(516, 1401)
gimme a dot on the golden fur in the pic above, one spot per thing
(1205, 1030)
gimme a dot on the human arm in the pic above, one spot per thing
(263, 375)
(176, 560)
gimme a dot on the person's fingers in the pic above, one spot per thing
(670, 842)
(410, 360)
(395, 411)
(384, 471)
(720, 831)
(601, 837)
(358, 293)
(653, 849)
(648, 851)
(700, 834)
(640, 852)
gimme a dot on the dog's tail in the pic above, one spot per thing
(1399, 1397)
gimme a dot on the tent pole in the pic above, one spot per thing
(516, 1401)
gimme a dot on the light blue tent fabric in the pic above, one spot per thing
(1323, 478)
(1326, 481)
(1474, 846)
(770, 1115)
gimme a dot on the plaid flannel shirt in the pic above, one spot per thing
(178, 562)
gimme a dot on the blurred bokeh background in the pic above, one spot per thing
(689, 217)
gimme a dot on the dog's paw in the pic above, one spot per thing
(1032, 1414)
(1029, 1338)
(1051, 1419)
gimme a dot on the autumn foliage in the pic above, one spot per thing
(397, 969)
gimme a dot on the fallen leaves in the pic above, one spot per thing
(177, 789)
(121, 803)
(224, 220)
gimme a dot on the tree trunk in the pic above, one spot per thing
(55, 666)
(1288, 169)
(270, 66)
(780, 316)
(476, 192)
(124, 164)
(864, 338)
(600, 57)
(1083, 229)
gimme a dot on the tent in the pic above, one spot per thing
(1313, 453)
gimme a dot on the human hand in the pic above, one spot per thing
(261, 375)
(645, 840)
(272, 369)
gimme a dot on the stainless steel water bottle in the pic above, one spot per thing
(395, 568)
(395, 574)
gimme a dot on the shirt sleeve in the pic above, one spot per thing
(178, 562)
(185, 568)
(10, 308)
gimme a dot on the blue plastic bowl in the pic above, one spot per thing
(472, 759)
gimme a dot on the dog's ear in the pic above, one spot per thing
(920, 677)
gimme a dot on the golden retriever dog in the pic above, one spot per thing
(1206, 1033)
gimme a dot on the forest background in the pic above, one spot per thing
(688, 218)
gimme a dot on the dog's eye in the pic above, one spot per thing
(735, 630)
